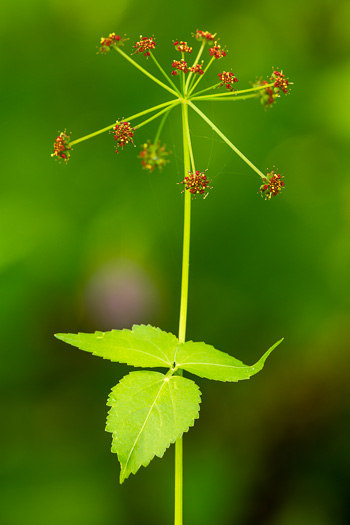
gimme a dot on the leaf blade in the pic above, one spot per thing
(205, 361)
(143, 345)
(149, 411)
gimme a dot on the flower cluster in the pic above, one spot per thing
(273, 184)
(205, 36)
(280, 81)
(153, 156)
(144, 45)
(197, 68)
(123, 134)
(227, 79)
(111, 40)
(216, 51)
(196, 183)
(180, 65)
(182, 47)
(61, 147)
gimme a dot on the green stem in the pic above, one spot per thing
(164, 73)
(200, 76)
(239, 97)
(194, 63)
(145, 72)
(235, 93)
(183, 305)
(175, 103)
(225, 139)
(206, 89)
(149, 110)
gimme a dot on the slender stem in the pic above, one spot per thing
(164, 73)
(225, 139)
(238, 97)
(206, 89)
(175, 103)
(140, 114)
(194, 63)
(145, 72)
(183, 307)
(200, 76)
(235, 93)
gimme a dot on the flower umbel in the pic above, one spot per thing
(144, 45)
(280, 81)
(196, 183)
(153, 156)
(227, 79)
(216, 51)
(273, 184)
(197, 68)
(123, 134)
(204, 36)
(180, 65)
(182, 47)
(61, 147)
(111, 40)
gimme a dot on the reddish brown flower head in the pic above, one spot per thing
(196, 183)
(61, 147)
(227, 79)
(180, 65)
(144, 45)
(197, 68)
(123, 134)
(204, 36)
(182, 47)
(217, 52)
(153, 156)
(273, 184)
(111, 40)
(280, 81)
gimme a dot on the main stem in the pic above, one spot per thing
(183, 308)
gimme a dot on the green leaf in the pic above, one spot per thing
(149, 411)
(205, 361)
(143, 346)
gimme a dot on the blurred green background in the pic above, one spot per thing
(97, 244)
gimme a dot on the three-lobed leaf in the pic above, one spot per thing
(149, 411)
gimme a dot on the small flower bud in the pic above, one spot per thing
(280, 82)
(153, 156)
(197, 68)
(182, 47)
(61, 147)
(196, 183)
(180, 65)
(273, 184)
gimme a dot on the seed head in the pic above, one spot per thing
(227, 79)
(196, 183)
(153, 156)
(61, 147)
(123, 134)
(217, 52)
(144, 45)
(273, 184)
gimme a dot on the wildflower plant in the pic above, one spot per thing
(149, 410)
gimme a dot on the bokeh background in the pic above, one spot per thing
(97, 244)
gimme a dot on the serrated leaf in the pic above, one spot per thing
(144, 346)
(205, 361)
(149, 411)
